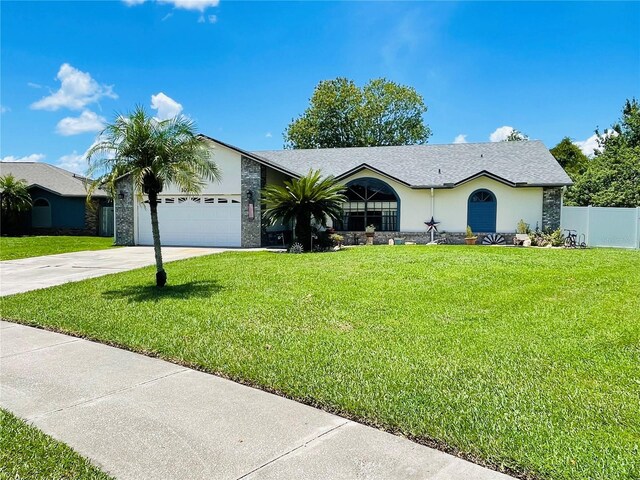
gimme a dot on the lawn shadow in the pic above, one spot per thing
(143, 293)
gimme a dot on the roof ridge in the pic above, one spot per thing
(519, 142)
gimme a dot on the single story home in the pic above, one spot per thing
(59, 201)
(488, 186)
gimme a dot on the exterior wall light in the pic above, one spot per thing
(121, 194)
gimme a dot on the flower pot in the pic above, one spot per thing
(470, 240)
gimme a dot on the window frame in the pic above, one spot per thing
(371, 183)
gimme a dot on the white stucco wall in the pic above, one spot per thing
(513, 204)
(450, 205)
(229, 163)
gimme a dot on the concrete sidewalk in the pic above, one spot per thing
(23, 275)
(143, 418)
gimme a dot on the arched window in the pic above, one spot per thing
(41, 213)
(481, 211)
(370, 202)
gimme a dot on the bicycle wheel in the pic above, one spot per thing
(567, 242)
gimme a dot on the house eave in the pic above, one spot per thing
(252, 156)
(365, 166)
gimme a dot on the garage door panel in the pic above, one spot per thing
(192, 223)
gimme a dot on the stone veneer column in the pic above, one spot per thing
(250, 181)
(123, 212)
(551, 206)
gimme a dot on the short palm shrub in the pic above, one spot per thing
(15, 199)
(302, 200)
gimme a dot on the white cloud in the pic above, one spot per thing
(34, 157)
(4, 109)
(74, 162)
(131, 3)
(212, 18)
(590, 144)
(460, 139)
(88, 121)
(34, 85)
(268, 135)
(166, 106)
(77, 89)
(500, 134)
(197, 5)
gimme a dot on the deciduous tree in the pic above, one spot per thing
(342, 115)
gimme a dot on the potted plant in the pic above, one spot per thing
(522, 233)
(370, 231)
(470, 238)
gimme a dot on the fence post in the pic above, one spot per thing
(588, 224)
(637, 227)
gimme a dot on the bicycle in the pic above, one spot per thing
(571, 239)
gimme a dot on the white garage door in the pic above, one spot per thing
(204, 221)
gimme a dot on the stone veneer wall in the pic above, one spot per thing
(551, 207)
(123, 210)
(251, 180)
(382, 238)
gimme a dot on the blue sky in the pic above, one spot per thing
(243, 70)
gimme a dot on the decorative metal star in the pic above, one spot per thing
(431, 225)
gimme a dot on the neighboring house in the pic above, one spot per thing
(59, 201)
(489, 186)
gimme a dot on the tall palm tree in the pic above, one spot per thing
(14, 199)
(303, 199)
(155, 153)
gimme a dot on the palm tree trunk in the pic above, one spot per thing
(161, 275)
(303, 229)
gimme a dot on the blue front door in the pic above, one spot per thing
(481, 211)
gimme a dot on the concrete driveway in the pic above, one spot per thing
(23, 275)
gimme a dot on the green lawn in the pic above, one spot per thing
(12, 248)
(26, 452)
(524, 359)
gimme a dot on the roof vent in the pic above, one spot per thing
(439, 171)
(481, 155)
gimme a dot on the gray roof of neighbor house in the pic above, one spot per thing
(49, 177)
(522, 163)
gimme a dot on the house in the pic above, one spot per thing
(488, 186)
(59, 204)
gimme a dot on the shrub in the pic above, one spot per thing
(336, 239)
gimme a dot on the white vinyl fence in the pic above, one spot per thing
(604, 226)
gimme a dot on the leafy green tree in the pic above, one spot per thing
(516, 136)
(625, 131)
(612, 178)
(155, 153)
(570, 157)
(14, 200)
(342, 115)
(303, 199)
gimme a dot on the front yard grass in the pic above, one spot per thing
(12, 248)
(524, 359)
(26, 452)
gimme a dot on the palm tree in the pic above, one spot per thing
(155, 153)
(14, 199)
(303, 199)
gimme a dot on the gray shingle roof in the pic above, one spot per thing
(49, 177)
(524, 162)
